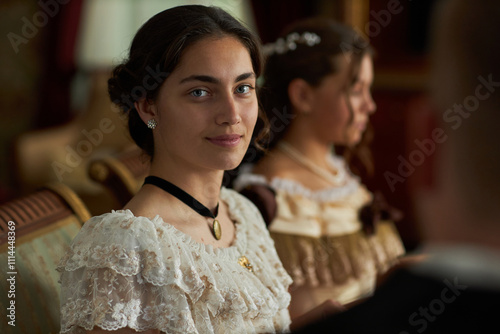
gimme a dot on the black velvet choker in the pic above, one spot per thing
(189, 200)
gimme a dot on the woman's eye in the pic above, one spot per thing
(243, 89)
(199, 93)
(357, 90)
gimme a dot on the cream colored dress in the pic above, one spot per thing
(320, 240)
(142, 273)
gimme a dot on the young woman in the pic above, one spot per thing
(184, 255)
(317, 96)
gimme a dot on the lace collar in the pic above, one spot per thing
(292, 187)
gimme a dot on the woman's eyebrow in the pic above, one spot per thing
(244, 76)
(210, 79)
(203, 78)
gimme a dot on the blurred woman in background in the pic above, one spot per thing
(331, 234)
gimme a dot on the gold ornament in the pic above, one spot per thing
(243, 261)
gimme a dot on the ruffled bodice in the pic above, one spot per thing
(320, 240)
(142, 273)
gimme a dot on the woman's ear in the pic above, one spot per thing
(146, 110)
(301, 95)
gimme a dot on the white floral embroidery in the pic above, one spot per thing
(127, 313)
(136, 272)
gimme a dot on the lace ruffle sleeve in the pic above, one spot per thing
(115, 276)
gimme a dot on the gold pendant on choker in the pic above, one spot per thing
(216, 229)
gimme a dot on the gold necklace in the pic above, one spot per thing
(335, 179)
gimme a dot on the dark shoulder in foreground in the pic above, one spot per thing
(410, 303)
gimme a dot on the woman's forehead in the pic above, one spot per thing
(223, 56)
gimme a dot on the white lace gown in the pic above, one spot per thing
(142, 273)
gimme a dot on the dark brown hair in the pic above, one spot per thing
(312, 63)
(156, 50)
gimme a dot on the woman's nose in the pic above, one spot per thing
(228, 113)
(371, 106)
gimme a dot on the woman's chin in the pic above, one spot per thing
(355, 139)
(230, 164)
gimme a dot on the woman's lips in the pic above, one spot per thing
(225, 140)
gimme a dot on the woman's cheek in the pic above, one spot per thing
(354, 135)
(253, 114)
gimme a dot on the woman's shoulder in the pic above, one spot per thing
(118, 240)
(116, 225)
(262, 173)
(275, 165)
